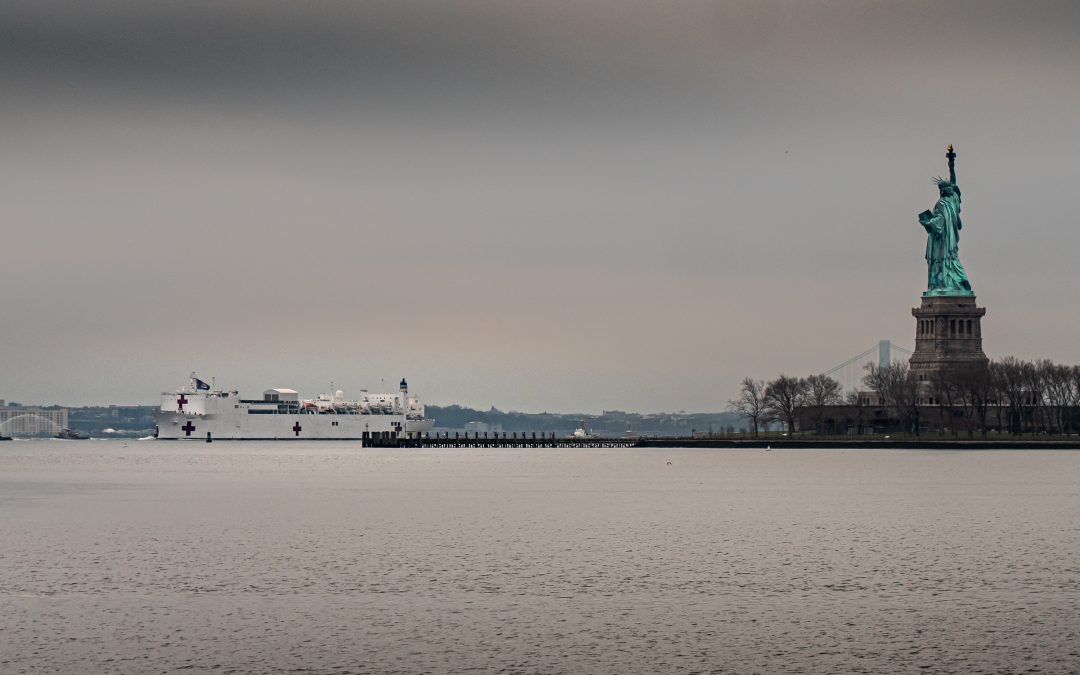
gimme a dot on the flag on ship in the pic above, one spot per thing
(199, 384)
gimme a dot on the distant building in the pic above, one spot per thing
(482, 428)
(870, 398)
(29, 421)
(122, 419)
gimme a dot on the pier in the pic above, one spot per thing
(509, 440)
(550, 440)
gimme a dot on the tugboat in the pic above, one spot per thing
(69, 435)
(5, 438)
(582, 433)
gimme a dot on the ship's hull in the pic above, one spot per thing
(180, 426)
(200, 414)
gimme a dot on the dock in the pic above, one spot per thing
(507, 440)
(550, 440)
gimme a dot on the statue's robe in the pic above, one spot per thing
(942, 247)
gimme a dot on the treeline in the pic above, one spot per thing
(782, 400)
(610, 423)
(1008, 395)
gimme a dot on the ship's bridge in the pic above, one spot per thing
(281, 395)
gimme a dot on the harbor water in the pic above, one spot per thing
(152, 556)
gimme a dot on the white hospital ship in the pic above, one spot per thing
(201, 412)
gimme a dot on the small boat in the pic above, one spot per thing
(582, 433)
(69, 435)
(5, 438)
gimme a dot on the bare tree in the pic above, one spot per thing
(1000, 393)
(821, 391)
(1035, 387)
(1012, 390)
(752, 403)
(1074, 376)
(1070, 397)
(897, 388)
(975, 384)
(904, 390)
(877, 381)
(945, 390)
(785, 395)
(855, 400)
(1060, 394)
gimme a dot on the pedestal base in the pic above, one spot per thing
(948, 332)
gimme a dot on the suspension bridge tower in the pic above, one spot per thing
(850, 373)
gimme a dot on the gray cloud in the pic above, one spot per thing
(541, 205)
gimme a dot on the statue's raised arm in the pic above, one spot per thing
(951, 156)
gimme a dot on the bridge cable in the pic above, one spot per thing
(852, 360)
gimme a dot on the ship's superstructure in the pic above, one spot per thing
(200, 412)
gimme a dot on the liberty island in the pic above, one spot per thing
(948, 384)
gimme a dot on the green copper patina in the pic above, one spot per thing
(945, 274)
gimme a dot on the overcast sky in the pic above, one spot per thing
(563, 206)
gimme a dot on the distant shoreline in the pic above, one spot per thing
(685, 442)
(867, 444)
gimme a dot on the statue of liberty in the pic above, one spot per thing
(945, 274)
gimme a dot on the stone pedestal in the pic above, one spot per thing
(948, 332)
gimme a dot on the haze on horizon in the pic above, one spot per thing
(556, 206)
